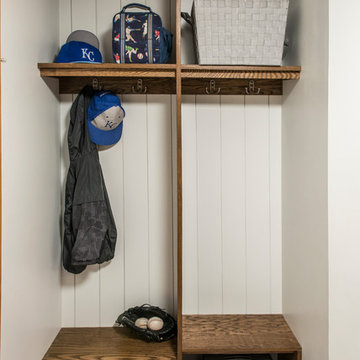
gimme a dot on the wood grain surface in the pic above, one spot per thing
(107, 70)
(0, 189)
(124, 85)
(106, 344)
(179, 180)
(168, 86)
(237, 334)
(161, 79)
(231, 87)
(241, 67)
(238, 72)
(169, 71)
(292, 356)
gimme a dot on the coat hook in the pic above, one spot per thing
(139, 89)
(96, 84)
(212, 89)
(251, 89)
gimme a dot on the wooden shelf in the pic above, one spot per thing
(119, 78)
(234, 80)
(161, 78)
(239, 334)
(168, 71)
(241, 72)
(111, 70)
(106, 344)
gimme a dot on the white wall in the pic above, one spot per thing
(305, 208)
(30, 175)
(344, 182)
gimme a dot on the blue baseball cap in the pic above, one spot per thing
(105, 118)
(81, 47)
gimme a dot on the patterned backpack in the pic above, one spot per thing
(138, 37)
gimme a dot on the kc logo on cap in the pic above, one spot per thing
(105, 118)
(81, 47)
(88, 54)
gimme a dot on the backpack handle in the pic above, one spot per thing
(136, 5)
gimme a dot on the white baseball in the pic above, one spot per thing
(141, 323)
(155, 323)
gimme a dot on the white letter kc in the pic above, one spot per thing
(88, 54)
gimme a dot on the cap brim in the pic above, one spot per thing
(102, 137)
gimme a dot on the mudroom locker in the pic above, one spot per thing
(225, 189)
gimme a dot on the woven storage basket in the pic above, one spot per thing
(243, 32)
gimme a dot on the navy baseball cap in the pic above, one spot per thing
(105, 118)
(81, 47)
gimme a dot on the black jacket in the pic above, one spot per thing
(89, 226)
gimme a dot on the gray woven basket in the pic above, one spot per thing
(243, 32)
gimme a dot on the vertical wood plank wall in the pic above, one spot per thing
(232, 204)
(231, 197)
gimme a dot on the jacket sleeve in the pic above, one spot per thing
(69, 239)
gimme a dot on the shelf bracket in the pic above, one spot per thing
(139, 89)
(251, 89)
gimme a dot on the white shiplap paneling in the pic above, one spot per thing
(105, 10)
(84, 15)
(87, 297)
(112, 274)
(275, 204)
(161, 285)
(209, 203)
(233, 203)
(190, 213)
(245, 232)
(257, 204)
(231, 198)
(136, 202)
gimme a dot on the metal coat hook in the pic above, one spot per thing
(139, 88)
(96, 84)
(212, 89)
(251, 89)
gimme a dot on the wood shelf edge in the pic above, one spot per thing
(169, 71)
(105, 66)
(107, 70)
(253, 75)
(240, 67)
(161, 78)
(241, 72)
(236, 351)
